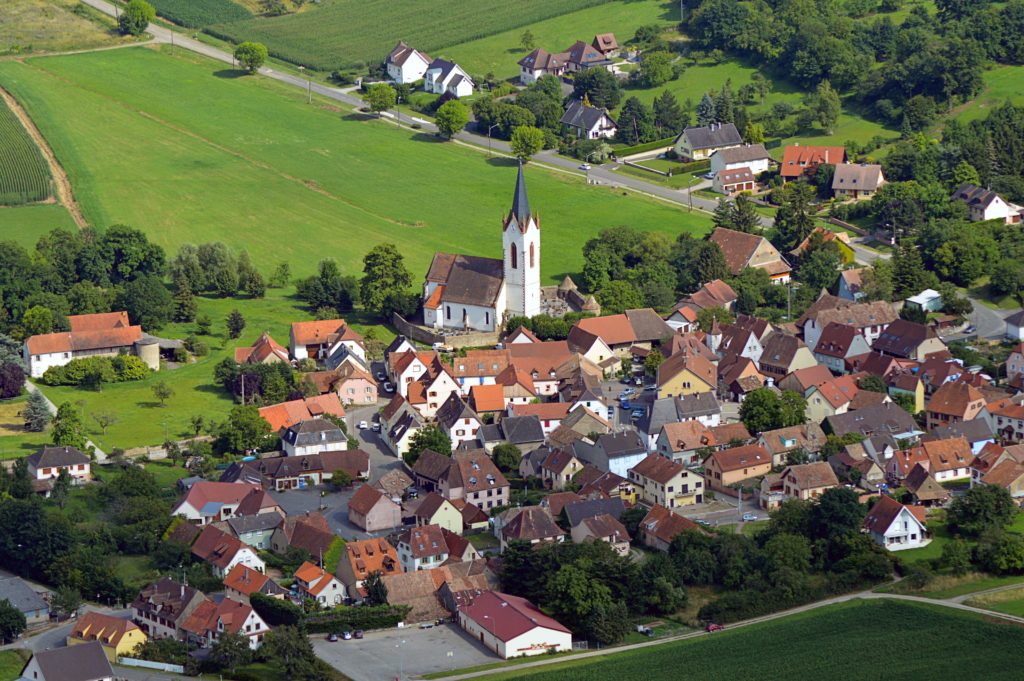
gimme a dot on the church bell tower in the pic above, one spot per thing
(521, 246)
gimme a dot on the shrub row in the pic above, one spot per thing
(646, 146)
(96, 370)
(362, 617)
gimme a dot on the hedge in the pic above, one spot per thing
(107, 369)
(647, 146)
(360, 617)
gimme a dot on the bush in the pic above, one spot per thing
(97, 370)
(181, 355)
(363, 617)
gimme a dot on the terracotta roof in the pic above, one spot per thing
(245, 580)
(99, 321)
(744, 456)
(216, 546)
(394, 482)
(323, 331)
(484, 398)
(731, 176)
(1004, 474)
(730, 432)
(533, 523)
(258, 352)
(557, 501)
(956, 398)
(715, 293)
(515, 380)
(606, 527)
(545, 411)
(838, 392)
(684, 361)
(811, 475)
(371, 555)
(480, 363)
(507, 617)
(542, 358)
(883, 513)
(255, 502)
(686, 436)
(658, 468)
(798, 158)
(662, 523)
(286, 414)
(424, 541)
(809, 436)
(81, 341)
(811, 376)
(612, 329)
(402, 52)
(205, 492)
(474, 471)
(107, 629)
(365, 498)
(946, 455)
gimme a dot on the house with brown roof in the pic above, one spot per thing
(660, 526)
(908, 340)
(803, 380)
(809, 437)
(985, 204)
(399, 421)
(512, 626)
(808, 481)
(949, 459)
(783, 354)
(363, 557)
(106, 334)
(681, 441)
(405, 64)
(955, 402)
(1008, 474)
(728, 467)
(321, 338)
(372, 511)
(46, 465)
(117, 635)
(839, 343)
(558, 467)
(850, 284)
(427, 547)
(869, 319)
(161, 608)
(350, 382)
(604, 528)
(532, 524)
(264, 351)
(697, 143)
(686, 374)
(924, 488)
(466, 474)
(742, 250)
(318, 585)
(831, 397)
(665, 482)
(1008, 421)
(224, 551)
(540, 362)
(242, 582)
(896, 527)
(595, 337)
(539, 63)
(799, 160)
(284, 415)
(434, 509)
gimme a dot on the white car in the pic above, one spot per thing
(381, 376)
(585, 166)
(749, 517)
(388, 388)
(363, 425)
(375, 427)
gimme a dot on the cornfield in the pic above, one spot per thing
(349, 33)
(24, 176)
(200, 13)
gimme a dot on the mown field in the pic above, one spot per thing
(30, 26)
(25, 224)
(24, 176)
(852, 641)
(185, 150)
(346, 33)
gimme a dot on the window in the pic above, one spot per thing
(447, 311)
(532, 265)
(514, 257)
(487, 318)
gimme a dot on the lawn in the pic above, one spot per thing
(1002, 84)
(11, 662)
(25, 224)
(841, 641)
(15, 441)
(289, 181)
(31, 26)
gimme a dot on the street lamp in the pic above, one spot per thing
(489, 128)
(309, 86)
(401, 660)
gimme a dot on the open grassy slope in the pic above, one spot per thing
(30, 26)
(852, 641)
(25, 224)
(189, 152)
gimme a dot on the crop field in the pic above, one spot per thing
(200, 13)
(347, 33)
(852, 641)
(288, 181)
(24, 176)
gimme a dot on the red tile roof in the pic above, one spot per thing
(286, 414)
(323, 331)
(245, 580)
(80, 341)
(507, 617)
(797, 158)
(484, 398)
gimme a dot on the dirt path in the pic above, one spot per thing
(60, 178)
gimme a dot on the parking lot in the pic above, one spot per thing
(402, 653)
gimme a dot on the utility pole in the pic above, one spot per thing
(689, 193)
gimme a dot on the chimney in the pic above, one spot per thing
(826, 154)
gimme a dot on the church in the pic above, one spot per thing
(474, 293)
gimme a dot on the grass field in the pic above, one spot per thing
(857, 640)
(289, 181)
(15, 441)
(30, 26)
(11, 662)
(344, 33)
(24, 176)
(1002, 84)
(25, 224)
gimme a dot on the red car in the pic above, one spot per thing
(712, 628)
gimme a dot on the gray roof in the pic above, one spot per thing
(84, 662)
(975, 430)
(261, 522)
(648, 325)
(857, 176)
(585, 117)
(489, 432)
(53, 457)
(20, 595)
(973, 195)
(453, 409)
(522, 429)
(470, 279)
(744, 154)
(535, 458)
(607, 447)
(520, 203)
(713, 136)
(883, 419)
(314, 431)
(581, 510)
(697, 404)
(676, 409)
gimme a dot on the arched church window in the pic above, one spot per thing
(515, 257)
(532, 263)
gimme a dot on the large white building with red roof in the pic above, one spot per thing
(207, 502)
(105, 334)
(512, 626)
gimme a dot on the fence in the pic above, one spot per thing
(146, 664)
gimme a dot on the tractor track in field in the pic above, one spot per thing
(62, 184)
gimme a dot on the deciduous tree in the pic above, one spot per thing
(451, 118)
(251, 55)
(384, 276)
(380, 97)
(67, 427)
(135, 17)
(430, 437)
(527, 141)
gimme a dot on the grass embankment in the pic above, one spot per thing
(849, 642)
(36, 26)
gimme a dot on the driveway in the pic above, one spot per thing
(403, 653)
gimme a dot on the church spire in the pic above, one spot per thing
(520, 204)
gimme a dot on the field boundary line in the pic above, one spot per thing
(62, 185)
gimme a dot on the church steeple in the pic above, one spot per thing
(520, 203)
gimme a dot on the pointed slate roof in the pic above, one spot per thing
(520, 202)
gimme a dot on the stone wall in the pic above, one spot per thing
(455, 339)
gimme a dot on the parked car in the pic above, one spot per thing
(712, 627)
(412, 493)
(584, 166)
(703, 523)
(375, 427)
(332, 637)
(346, 635)
(358, 633)
(624, 403)
(388, 388)
(637, 413)
(611, 413)
(626, 380)
(971, 329)
(748, 517)
(638, 380)
(426, 625)
(650, 388)
(363, 425)
(381, 376)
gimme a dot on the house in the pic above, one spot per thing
(853, 464)
(457, 420)
(578, 510)
(751, 157)
(539, 63)
(702, 407)
(808, 481)
(837, 344)
(242, 582)
(558, 467)
(808, 437)
(105, 334)
(25, 599)
(738, 377)
(434, 509)
(525, 432)
(884, 419)
(313, 436)
(255, 530)
(620, 333)
(588, 122)
(712, 294)
(831, 397)
(660, 526)
(699, 143)
(532, 524)
(985, 204)
(1009, 421)
(224, 551)
(362, 558)
(85, 662)
(472, 292)
(928, 300)
(977, 432)
(322, 338)
(422, 548)
(372, 511)
(925, 490)
(615, 452)
(446, 77)
(594, 482)
(466, 474)
(732, 181)
(665, 482)
(283, 415)
(896, 527)
(580, 56)
(46, 465)
(213, 618)
(681, 441)
(161, 608)
(405, 64)
(1015, 362)
(479, 368)
(264, 351)
(743, 250)
(955, 402)
(857, 181)
(948, 459)
(350, 382)
(117, 635)
(536, 366)
(869, 319)
(606, 44)
(908, 340)
(1015, 326)
(1008, 474)
(399, 421)
(798, 160)
(686, 374)
(604, 528)
(578, 424)
(298, 472)
(783, 354)
(512, 626)
(318, 585)
(728, 467)
(850, 284)
(207, 502)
